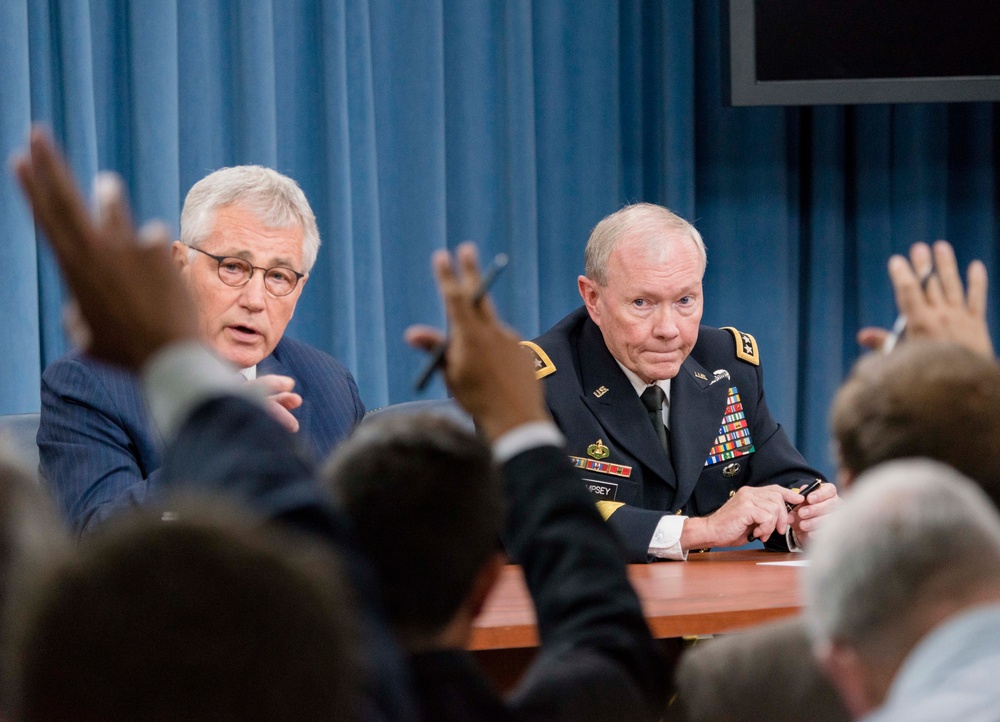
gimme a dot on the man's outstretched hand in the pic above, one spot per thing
(127, 291)
(488, 372)
(941, 310)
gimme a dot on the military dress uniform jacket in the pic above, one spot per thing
(722, 436)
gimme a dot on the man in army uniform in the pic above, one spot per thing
(666, 419)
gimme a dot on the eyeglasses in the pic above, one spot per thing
(236, 272)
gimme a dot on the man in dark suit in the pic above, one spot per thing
(221, 441)
(97, 447)
(666, 419)
(428, 484)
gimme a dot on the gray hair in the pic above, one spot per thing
(274, 198)
(909, 534)
(644, 219)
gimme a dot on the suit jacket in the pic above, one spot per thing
(597, 660)
(99, 452)
(722, 436)
(230, 447)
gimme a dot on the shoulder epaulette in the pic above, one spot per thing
(746, 346)
(543, 364)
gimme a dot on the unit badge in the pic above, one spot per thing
(598, 450)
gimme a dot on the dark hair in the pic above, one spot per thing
(928, 399)
(425, 500)
(205, 617)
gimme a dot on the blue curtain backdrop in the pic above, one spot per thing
(412, 126)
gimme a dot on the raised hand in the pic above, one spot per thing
(126, 289)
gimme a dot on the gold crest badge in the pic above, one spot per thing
(598, 450)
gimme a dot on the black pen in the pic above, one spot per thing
(805, 491)
(437, 353)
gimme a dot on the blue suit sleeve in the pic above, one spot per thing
(95, 448)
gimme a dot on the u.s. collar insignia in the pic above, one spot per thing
(598, 450)
(600, 391)
(731, 470)
(700, 375)
(543, 364)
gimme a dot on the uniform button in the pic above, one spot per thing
(678, 512)
(732, 493)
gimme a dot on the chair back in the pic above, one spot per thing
(447, 408)
(17, 433)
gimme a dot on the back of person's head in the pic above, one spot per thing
(31, 535)
(913, 541)
(275, 199)
(30, 531)
(643, 220)
(425, 500)
(207, 616)
(925, 399)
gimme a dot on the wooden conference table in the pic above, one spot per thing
(711, 593)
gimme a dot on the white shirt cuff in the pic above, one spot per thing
(180, 377)
(526, 436)
(666, 541)
(793, 544)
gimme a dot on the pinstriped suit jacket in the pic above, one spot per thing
(98, 450)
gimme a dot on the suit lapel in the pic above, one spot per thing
(618, 410)
(697, 403)
(273, 365)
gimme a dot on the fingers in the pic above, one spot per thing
(282, 415)
(872, 338)
(905, 284)
(820, 502)
(977, 288)
(113, 216)
(922, 259)
(425, 338)
(286, 399)
(273, 383)
(947, 273)
(57, 204)
(768, 511)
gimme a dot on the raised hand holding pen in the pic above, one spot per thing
(489, 374)
(437, 352)
(942, 309)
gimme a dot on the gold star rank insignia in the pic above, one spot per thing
(746, 346)
(543, 364)
(598, 450)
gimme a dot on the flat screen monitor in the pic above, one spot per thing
(814, 52)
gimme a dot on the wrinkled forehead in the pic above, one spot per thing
(251, 231)
(659, 248)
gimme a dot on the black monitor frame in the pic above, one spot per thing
(745, 90)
